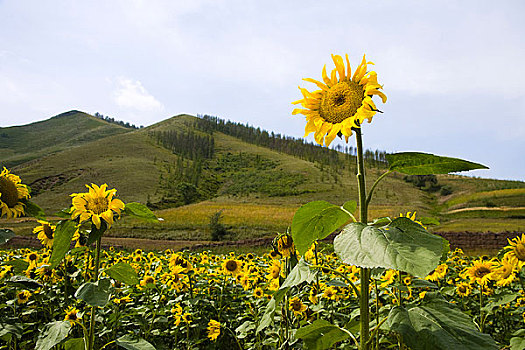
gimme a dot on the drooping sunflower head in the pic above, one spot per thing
(45, 233)
(343, 102)
(12, 192)
(285, 245)
(96, 204)
(516, 251)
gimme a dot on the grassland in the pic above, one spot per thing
(135, 164)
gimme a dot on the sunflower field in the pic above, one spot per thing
(182, 300)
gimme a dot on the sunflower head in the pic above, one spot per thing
(285, 245)
(45, 233)
(231, 267)
(342, 102)
(12, 192)
(463, 289)
(23, 296)
(258, 292)
(214, 329)
(481, 271)
(73, 316)
(516, 251)
(97, 204)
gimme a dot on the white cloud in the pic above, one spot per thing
(131, 94)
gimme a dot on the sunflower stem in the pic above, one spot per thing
(364, 272)
(91, 340)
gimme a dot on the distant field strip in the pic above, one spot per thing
(513, 192)
(242, 214)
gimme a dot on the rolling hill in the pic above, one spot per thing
(189, 168)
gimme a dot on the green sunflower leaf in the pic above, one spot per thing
(74, 344)
(401, 245)
(415, 163)
(63, 235)
(437, 324)
(31, 209)
(321, 335)
(95, 293)
(140, 211)
(123, 272)
(6, 235)
(132, 343)
(19, 265)
(96, 233)
(316, 220)
(24, 282)
(55, 333)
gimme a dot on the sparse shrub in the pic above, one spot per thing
(218, 230)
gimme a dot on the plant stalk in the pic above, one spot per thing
(91, 340)
(365, 272)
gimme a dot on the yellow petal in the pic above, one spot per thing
(96, 221)
(332, 134)
(339, 65)
(349, 72)
(326, 80)
(318, 83)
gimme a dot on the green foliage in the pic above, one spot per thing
(74, 344)
(31, 209)
(437, 324)
(414, 163)
(321, 335)
(54, 334)
(272, 183)
(19, 265)
(96, 233)
(427, 183)
(314, 221)
(133, 343)
(24, 282)
(6, 235)
(140, 211)
(63, 235)
(123, 272)
(217, 230)
(401, 245)
(95, 293)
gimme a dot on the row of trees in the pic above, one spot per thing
(118, 122)
(337, 157)
(187, 144)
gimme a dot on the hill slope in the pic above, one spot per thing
(19, 144)
(190, 171)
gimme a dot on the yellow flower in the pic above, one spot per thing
(480, 271)
(504, 274)
(341, 103)
(123, 300)
(258, 292)
(12, 192)
(274, 270)
(438, 273)
(516, 254)
(214, 329)
(96, 204)
(388, 278)
(231, 267)
(297, 306)
(72, 315)
(285, 245)
(463, 289)
(23, 296)
(147, 280)
(45, 233)
(330, 293)
(412, 216)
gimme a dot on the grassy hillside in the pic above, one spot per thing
(256, 188)
(19, 144)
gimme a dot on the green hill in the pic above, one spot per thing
(19, 144)
(190, 168)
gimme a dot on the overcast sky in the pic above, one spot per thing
(453, 71)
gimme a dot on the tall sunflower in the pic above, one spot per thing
(12, 192)
(96, 204)
(343, 102)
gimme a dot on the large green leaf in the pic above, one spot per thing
(55, 333)
(415, 163)
(131, 343)
(24, 282)
(321, 335)
(63, 235)
(437, 325)
(74, 344)
(95, 293)
(140, 211)
(8, 330)
(31, 209)
(500, 299)
(401, 245)
(316, 220)
(19, 265)
(6, 235)
(517, 342)
(123, 272)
